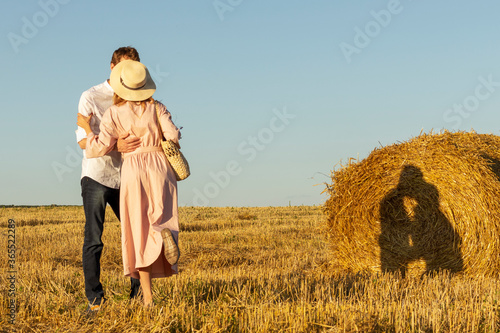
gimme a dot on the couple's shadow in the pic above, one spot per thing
(413, 228)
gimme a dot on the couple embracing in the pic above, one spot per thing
(124, 166)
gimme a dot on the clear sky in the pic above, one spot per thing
(271, 95)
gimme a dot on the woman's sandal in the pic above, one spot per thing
(172, 252)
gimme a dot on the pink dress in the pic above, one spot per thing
(148, 190)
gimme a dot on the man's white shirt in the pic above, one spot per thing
(104, 170)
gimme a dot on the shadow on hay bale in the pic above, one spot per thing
(429, 204)
(414, 228)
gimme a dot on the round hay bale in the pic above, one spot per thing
(429, 204)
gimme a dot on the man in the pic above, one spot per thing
(100, 182)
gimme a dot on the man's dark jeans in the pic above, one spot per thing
(95, 197)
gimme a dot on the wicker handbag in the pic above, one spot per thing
(174, 155)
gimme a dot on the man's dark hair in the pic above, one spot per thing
(126, 51)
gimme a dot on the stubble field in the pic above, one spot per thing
(241, 270)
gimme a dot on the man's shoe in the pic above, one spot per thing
(94, 307)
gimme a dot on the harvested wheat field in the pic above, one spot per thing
(429, 204)
(241, 270)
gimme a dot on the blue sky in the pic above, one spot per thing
(271, 95)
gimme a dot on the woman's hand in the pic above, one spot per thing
(84, 122)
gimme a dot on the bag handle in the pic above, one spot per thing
(162, 137)
(158, 121)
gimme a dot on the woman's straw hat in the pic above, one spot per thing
(131, 81)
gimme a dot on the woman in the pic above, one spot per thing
(148, 191)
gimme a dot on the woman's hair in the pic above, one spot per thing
(126, 51)
(117, 100)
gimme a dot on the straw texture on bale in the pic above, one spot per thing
(428, 204)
